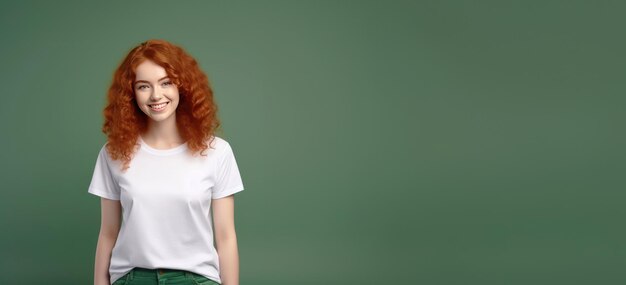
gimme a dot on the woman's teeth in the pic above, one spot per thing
(158, 107)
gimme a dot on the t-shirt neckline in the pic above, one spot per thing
(169, 151)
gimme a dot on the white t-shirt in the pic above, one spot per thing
(166, 198)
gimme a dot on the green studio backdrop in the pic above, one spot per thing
(380, 142)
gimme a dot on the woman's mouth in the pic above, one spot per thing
(158, 107)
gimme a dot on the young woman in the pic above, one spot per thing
(161, 172)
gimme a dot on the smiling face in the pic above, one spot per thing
(155, 93)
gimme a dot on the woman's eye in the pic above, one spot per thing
(167, 82)
(140, 87)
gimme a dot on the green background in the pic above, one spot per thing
(380, 142)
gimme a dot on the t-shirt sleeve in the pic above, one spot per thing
(103, 183)
(228, 177)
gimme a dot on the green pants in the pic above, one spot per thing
(144, 276)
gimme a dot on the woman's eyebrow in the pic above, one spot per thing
(149, 82)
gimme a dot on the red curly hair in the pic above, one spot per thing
(196, 114)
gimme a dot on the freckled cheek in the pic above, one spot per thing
(142, 97)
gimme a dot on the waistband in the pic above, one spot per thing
(146, 272)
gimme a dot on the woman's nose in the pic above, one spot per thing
(156, 94)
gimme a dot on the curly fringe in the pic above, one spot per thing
(196, 114)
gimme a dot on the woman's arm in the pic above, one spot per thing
(109, 227)
(226, 239)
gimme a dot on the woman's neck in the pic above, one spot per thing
(162, 135)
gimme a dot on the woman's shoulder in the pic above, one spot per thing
(103, 149)
(104, 155)
(218, 143)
